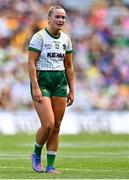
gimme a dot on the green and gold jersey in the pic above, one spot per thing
(52, 50)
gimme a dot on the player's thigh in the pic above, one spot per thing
(45, 111)
(59, 106)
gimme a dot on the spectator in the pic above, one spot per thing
(100, 38)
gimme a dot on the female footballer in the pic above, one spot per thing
(51, 70)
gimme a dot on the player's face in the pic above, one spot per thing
(57, 19)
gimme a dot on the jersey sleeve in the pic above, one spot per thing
(69, 47)
(36, 43)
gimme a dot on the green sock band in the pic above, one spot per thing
(50, 159)
(38, 149)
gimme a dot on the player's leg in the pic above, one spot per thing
(46, 116)
(59, 106)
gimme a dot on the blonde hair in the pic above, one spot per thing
(52, 8)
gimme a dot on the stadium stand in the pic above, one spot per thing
(100, 35)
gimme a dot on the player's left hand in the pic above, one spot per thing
(70, 98)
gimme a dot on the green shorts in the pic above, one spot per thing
(52, 83)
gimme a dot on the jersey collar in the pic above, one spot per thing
(55, 37)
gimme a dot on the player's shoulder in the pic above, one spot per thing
(64, 35)
(40, 32)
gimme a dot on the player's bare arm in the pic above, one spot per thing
(70, 77)
(36, 92)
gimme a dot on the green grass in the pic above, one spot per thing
(84, 156)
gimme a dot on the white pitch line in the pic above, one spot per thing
(85, 144)
(75, 169)
(17, 154)
(16, 167)
(67, 157)
(71, 169)
(107, 155)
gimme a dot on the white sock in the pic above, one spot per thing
(52, 152)
(38, 145)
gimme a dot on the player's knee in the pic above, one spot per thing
(48, 129)
(49, 126)
(56, 130)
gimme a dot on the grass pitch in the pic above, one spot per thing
(83, 156)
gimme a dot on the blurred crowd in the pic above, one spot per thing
(100, 36)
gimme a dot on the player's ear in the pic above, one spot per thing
(49, 19)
